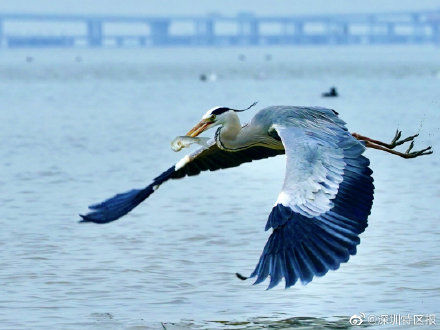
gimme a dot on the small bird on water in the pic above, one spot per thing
(327, 193)
(332, 93)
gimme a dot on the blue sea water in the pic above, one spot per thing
(78, 126)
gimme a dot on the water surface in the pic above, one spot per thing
(78, 126)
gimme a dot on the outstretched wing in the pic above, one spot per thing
(209, 158)
(323, 206)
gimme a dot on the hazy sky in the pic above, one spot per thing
(165, 7)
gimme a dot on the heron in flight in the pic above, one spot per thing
(327, 193)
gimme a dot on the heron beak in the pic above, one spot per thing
(199, 128)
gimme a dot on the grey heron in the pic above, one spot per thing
(327, 193)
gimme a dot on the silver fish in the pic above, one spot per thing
(181, 142)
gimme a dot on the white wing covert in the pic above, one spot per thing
(313, 172)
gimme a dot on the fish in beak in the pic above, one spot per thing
(199, 128)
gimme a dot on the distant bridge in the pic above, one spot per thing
(38, 30)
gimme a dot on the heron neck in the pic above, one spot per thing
(232, 136)
(231, 127)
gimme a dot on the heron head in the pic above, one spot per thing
(213, 117)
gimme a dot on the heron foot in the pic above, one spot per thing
(414, 154)
(397, 142)
(407, 154)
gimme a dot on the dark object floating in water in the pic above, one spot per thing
(332, 93)
(242, 57)
(208, 77)
(29, 59)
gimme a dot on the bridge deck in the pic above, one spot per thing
(24, 30)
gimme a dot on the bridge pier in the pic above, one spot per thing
(205, 32)
(288, 32)
(436, 33)
(390, 29)
(248, 32)
(299, 32)
(248, 29)
(338, 33)
(2, 42)
(159, 31)
(94, 33)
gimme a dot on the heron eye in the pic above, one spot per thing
(212, 118)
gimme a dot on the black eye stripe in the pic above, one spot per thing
(219, 111)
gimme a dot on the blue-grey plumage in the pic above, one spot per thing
(327, 193)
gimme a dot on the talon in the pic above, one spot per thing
(397, 142)
(410, 147)
(414, 154)
(426, 151)
(396, 137)
(409, 138)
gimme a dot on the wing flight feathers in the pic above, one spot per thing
(209, 158)
(323, 206)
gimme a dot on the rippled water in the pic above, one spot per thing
(78, 126)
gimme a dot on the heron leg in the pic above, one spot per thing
(407, 154)
(396, 141)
